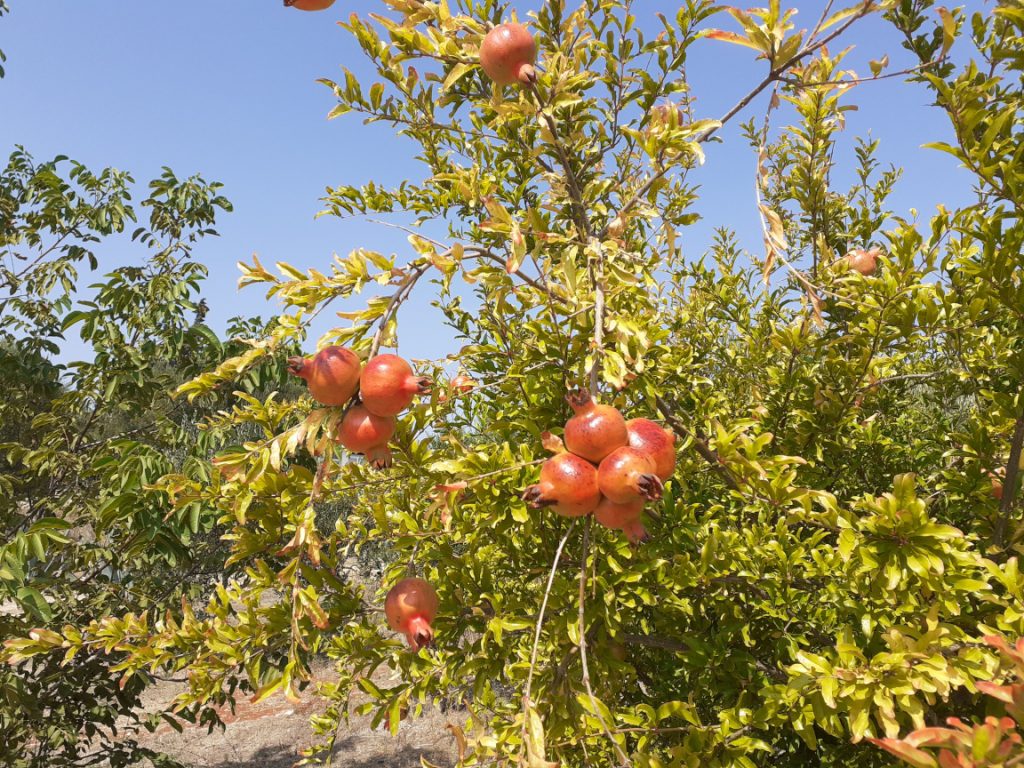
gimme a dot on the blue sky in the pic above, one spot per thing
(227, 88)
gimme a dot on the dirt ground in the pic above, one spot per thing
(272, 734)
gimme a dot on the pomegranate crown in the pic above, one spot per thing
(297, 365)
(580, 399)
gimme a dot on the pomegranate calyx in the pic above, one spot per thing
(298, 366)
(580, 400)
(420, 634)
(535, 499)
(650, 486)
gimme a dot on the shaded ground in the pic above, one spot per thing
(272, 734)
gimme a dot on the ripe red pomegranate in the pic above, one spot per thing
(656, 442)
(595, 430)
(309, 5)
(997, 486)
(568, 484)
(332, 374)
(362, 431)
(623, 517)
(463, 384)
(628, 475)
(863, 261)
(387, 385)
(411, 606)
(379, 456)
(508, 53)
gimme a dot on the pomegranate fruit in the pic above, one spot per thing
(595, 430)
(387, 385)
(628, 475)
(656, 442)
(332, 374)
(623, 517)
(863, 261)
(309, 5)
(411, 606)
(508, 53)
(568, 484)
(463, 384)
(362, 431)
(997, 486)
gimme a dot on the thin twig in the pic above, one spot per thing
(540, 622)
(770, 78)
(623, 758)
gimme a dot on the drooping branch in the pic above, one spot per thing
(699, 443)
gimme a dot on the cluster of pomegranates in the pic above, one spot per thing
(386, 386)
(611, 467)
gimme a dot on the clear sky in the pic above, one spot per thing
(227, 88)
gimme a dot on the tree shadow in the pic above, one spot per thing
(349, 753)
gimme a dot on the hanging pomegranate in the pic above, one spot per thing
(411, 607)
(362, 431)
(657, 442)
(595, 430)
(508, 53)
(309, 5)
(568, 484)
(332, 374)
(863, 261)
(628, 475)
(387, 385)
(623, 517)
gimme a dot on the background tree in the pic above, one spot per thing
(831, 548)
(82, 443)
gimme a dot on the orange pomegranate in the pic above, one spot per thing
(627, 475)
(332, 374)
(508, 53)
(623, 517)
(410, 607)
(656, 442)
(387, 385)
(863, 261)
(362, 431)
(309, 5)
(463, 384)
(568, 484)
(595, 430)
